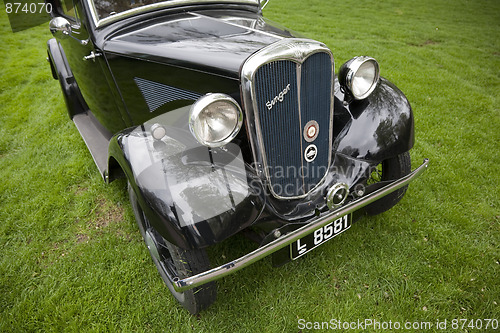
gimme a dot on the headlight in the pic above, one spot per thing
(359, 76)
(215, 119)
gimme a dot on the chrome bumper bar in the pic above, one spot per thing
(263, 251)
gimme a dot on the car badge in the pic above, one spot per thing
(311, 131)
(310, 153)
(278, 98)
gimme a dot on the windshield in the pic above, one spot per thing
(111, 10)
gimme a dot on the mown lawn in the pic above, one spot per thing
(71, 256)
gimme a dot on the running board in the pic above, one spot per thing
(96, 138)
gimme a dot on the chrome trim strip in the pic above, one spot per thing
(292, 49)
(261, 252)
(298, 70)
(165, 4)
(93, 12)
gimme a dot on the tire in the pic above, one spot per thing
(180, 262)
(390, 169)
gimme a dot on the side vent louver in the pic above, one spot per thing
(158, 94)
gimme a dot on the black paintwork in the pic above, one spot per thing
(385, 118)
(60, 71)
(198, 41)
(196, 196)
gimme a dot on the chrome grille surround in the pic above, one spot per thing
(282, 53)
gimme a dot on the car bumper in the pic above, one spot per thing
(263, 251)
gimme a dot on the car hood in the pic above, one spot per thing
(217, 42)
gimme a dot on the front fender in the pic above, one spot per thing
(376, 128)
(194, 196)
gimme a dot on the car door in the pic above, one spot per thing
(89, 68)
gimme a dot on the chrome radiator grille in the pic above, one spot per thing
(289, 93)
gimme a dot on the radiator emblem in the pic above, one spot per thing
(310, 153)
(311, 131)
(278, 98)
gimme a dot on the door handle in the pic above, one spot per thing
(92, 56)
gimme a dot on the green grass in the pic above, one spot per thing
(71, 256)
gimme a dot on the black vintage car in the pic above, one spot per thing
(224, 122)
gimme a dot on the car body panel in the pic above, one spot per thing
(62, 72)
(386, 120)
(216, 44)
(197, 53)
(194, 195)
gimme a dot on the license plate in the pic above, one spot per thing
(319, 236)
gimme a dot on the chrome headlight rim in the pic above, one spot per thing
(201, 106)
(348, 72)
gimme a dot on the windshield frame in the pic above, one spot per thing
(98, 22)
